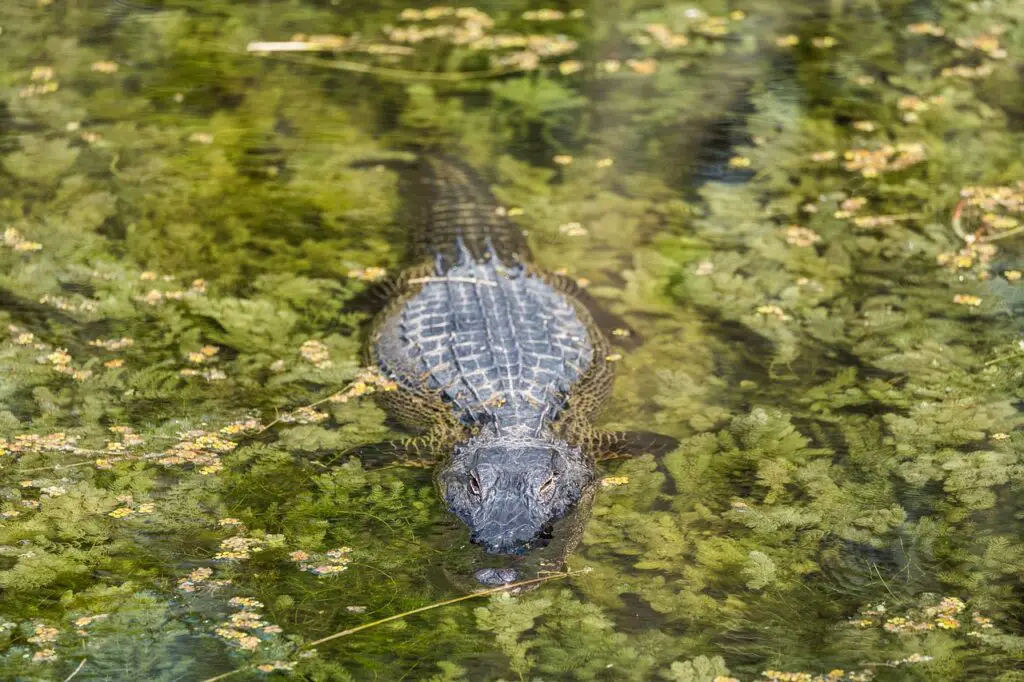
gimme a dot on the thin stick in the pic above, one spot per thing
(76, 670)
(955, 222)
(1002, 235)
(429, 607)
(482, 593)
(999, 359)
(385, 72)
(879, 574)
(305, 407)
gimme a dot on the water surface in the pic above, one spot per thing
(809, 212)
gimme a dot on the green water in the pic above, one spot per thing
(828, 325)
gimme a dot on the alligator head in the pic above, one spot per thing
(510, 487)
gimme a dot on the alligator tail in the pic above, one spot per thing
(452, 211)
(456, 212)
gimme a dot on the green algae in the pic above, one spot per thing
(181, 229)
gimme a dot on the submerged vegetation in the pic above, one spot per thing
(811, 213)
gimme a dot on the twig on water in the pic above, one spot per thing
(996, 361)
(1002, 235)
(366, 383)
(295, 57)
(404, 614)
(955, 222)
(884, 584)
(76, 670)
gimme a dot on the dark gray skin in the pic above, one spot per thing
(509, 489)
(501, 366)
(503, 349)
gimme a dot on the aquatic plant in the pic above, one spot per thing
(808, 213)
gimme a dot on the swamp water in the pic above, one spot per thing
(810, 212)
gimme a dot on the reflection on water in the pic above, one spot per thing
(810, 213)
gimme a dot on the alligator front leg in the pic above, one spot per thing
(607, 445)
(419, 451)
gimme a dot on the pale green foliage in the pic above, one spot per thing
(759, 570)
(40, 160)
(700, 669)
(848, 434)
(508, 618)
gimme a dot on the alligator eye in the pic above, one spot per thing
(474, 484)
(548, 485)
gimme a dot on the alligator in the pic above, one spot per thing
(500, 364)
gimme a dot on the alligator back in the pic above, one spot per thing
(474, 332)
(502, 347)
(454, 204)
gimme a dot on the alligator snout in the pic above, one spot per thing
(514, 540)
(496, 576)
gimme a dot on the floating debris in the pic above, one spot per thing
(14, 240)
(367, 382)
(208, 374)
(967, 300)
(544, 15)
(987, 43)
(42, 73)
(850, 206)
(773, 311)
(871, 162)
(104, 67)
(643, 66)
(371, 274)
(573, 230)
(274, 666)
(155, 296)
(968, 72)
(316, 353)
(239, 547)
(43, 637)
(871, 221)
(801, 236)
(113, 344)
(665, 37)
(36, 444)
(199, 449)
(246, 628)
(331, 562)
(945, 615)
(249, 425)
(570, 66)
(926, 29)
(199, 579)
(304, 415)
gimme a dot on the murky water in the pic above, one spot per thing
(810, 212)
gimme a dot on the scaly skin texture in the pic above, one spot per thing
(501, 365)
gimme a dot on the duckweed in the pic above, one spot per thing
(809, 214)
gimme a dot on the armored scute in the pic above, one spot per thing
(500, 363)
